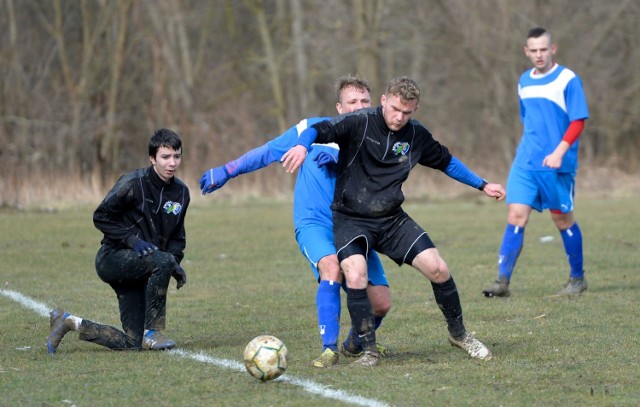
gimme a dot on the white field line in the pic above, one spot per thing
(307, 385)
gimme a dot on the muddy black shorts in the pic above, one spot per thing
(397, 236)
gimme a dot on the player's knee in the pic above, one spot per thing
(381, 307)
(432, 266)
(380, 298)
(165, 263)
(563, 221)
(329, 268)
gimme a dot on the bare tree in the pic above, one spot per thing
(78, 103)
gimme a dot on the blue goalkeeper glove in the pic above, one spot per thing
(213, 179)
(325, 159)
(144, 248)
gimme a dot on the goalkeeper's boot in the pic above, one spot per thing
(59, 325)
(574, 286)
(500, 288)
(472, 346)
(155, 340)
(327, 359)
(367, 358)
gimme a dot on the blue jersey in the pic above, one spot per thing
(548, 103)
(314, 187)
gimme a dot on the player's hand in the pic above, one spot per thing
(326, 159)
(180, 275)
(293, 159)
(144, 248)
(553, 160)
(495, 191)
(213, 179)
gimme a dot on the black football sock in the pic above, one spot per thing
(362, 320)
(448, 300)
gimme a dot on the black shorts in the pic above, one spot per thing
(397, 236)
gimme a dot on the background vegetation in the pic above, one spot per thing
(247, 277)
(84, 83)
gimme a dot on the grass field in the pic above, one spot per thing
(246, 277)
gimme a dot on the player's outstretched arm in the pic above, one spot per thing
(253, 160)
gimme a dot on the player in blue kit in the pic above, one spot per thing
(312, 219)
(553, 109)
(378, 149)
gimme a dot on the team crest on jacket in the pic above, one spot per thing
(172, 207)
(400, 148)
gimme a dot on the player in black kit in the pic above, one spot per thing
(378, 149)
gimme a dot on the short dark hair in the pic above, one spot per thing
(164, 138)
(406, 88)
(536, 32)
(346, 81)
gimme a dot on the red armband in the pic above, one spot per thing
(573, 132)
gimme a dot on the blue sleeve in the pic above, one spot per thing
(458, 171)
(270, 152)
(307, 137)
(281, 144)
(252, 160)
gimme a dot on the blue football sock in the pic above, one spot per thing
(572, 239)
(376, 322)
(328, 305)
(510, 249)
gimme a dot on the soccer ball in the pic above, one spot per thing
(265, 357)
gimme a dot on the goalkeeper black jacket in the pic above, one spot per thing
(141, 206)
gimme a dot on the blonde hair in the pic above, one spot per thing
(406, 88)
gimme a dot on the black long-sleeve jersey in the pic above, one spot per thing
(374, 161)
(141, 206)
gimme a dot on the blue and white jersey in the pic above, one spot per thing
(548, 103)
(314, 187)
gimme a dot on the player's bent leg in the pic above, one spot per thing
(431, 265)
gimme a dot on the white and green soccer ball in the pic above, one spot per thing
(265, 357)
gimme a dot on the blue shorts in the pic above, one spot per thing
(316, 242)
(541, 189)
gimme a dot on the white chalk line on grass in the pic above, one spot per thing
(308, 385)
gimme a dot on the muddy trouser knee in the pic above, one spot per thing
(141, 286)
